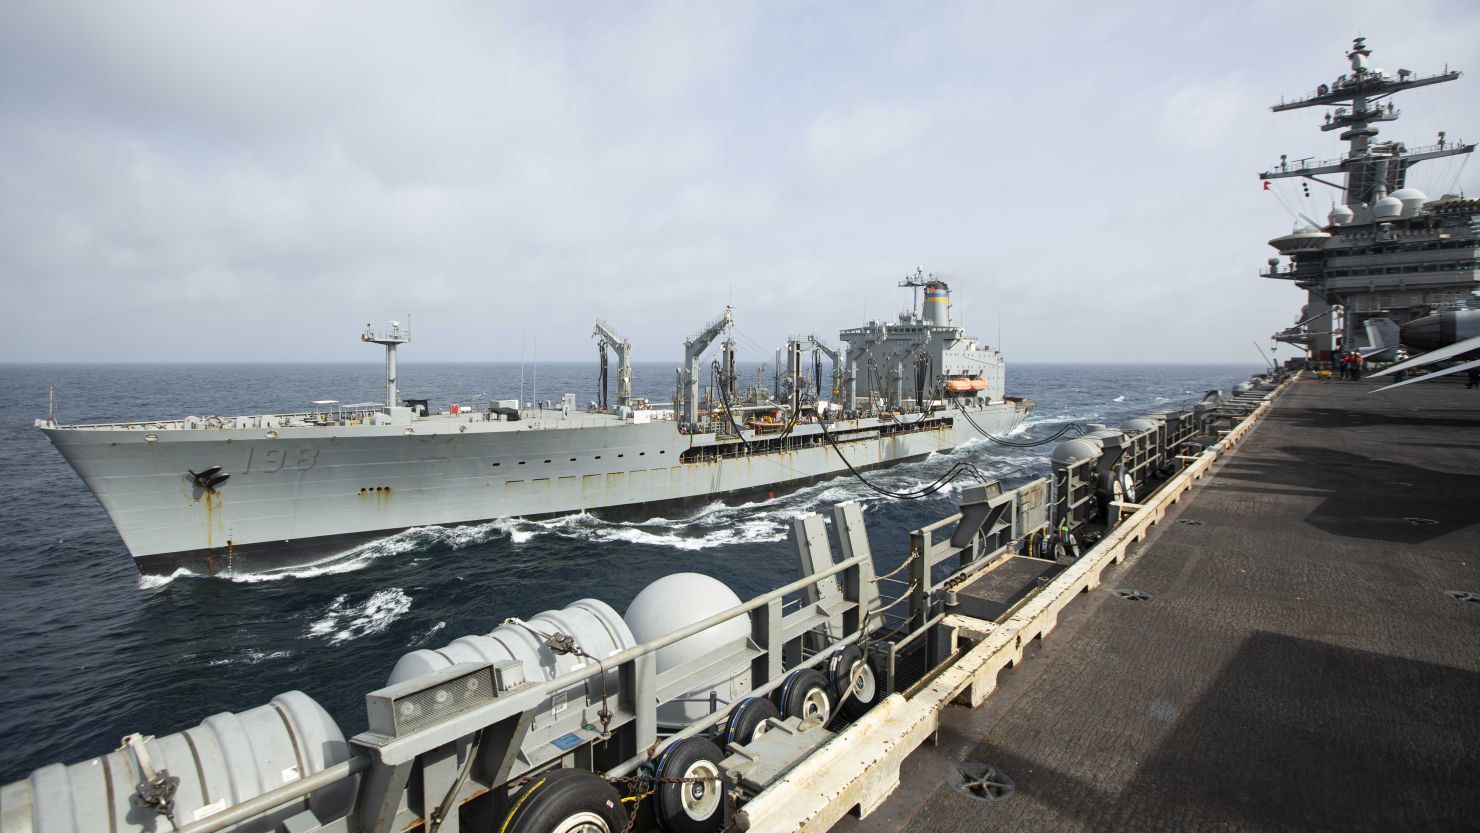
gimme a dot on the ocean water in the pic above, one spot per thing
(90, 651)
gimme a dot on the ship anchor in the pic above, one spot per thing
(210, 478)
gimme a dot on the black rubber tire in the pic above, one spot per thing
(696, 807)
(556, 796)
(746, 719)
(804, 685)
(867, 693)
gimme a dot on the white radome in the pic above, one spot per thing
(1387, 208)
(674, 602)
(681, 599)
(1412, 199)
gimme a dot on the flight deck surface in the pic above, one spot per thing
(1300, 663)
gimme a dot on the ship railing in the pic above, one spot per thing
(1356, 81)
(1308, 164)
(404, 776)
(206, 423)
(988, 529)
(798, 625)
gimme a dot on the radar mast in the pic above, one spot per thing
(1373, 169)
(390, 339)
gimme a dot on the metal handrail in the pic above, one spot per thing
(272, 799)
(1306, 164)
(275, 798)
(628, 766)
(637, 651)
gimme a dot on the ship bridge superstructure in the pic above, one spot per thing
(1387, 251)
(920, 357)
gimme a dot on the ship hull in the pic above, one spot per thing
(306, 494)
(281, 555)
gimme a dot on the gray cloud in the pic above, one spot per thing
(293, 170)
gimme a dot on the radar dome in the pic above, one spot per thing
(1413, 200)
(674, 602)
(1387, 208)
(1340, 215)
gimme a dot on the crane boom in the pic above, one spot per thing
(623, 349)
(840, 371)
(693, 348)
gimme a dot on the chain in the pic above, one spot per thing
(648, 786)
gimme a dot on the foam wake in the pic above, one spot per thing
(345, 621)
(250, 656)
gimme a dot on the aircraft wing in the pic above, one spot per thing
(1445, 372)
(1459, 348)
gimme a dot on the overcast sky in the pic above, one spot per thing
(255, 181)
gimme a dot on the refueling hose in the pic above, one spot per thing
(956, 470)
(1064, 429)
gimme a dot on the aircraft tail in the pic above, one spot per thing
(1382, 340)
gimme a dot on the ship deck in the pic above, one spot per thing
(532, 419)
(1300, 665)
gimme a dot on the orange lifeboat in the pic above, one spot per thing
(965, 385)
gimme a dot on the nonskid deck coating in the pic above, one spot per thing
(1300, 665)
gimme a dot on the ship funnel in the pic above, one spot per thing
(938, 304)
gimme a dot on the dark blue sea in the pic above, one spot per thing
(90, 652)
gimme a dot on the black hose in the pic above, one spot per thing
(729, 411)
(1063, 429)
(956, 470)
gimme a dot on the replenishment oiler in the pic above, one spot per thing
(227, 494)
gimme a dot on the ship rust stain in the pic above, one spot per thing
(382, 495)
(209, 501)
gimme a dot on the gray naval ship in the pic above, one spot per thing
(1390, 267)
(222, 494)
